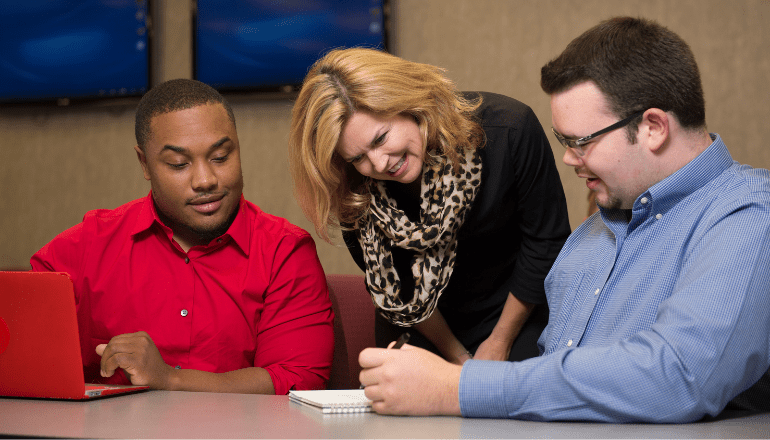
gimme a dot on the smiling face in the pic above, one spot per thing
(613, 168)
(192, 160)
(383, 148)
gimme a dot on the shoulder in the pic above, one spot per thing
(124, 212)
(753, 180)
(108, 226)
(716, 178)
(272, 227)
(501, 110)
(285, 245)
(740, 187)
(512, 131)
(100, 228)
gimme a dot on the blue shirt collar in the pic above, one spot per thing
(668, 192)
(695, 175)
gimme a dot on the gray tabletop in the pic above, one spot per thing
(168, 414)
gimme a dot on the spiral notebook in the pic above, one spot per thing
(333, 401)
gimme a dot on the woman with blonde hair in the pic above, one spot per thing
(450, 202)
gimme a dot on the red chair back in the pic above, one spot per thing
(353, 328)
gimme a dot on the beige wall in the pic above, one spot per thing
(58, 163)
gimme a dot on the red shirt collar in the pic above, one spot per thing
(239, 231)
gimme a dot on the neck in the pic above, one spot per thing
(410, 190)
(682, 148)
(407, 196)
(693, 142)
(187, 237)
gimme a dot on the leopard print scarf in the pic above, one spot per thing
(446, 200)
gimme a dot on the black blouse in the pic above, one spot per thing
(512, 235)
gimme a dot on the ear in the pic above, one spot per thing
(654, 129)
(142, 161)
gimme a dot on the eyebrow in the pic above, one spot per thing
(377, 135)
(183, 150)
(351, 159)
(569, 138)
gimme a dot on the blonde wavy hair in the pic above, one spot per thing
(331, 193)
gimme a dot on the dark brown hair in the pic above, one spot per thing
(637, 64)
(174, 95)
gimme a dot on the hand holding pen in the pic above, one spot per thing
(407, 381)
(403, 339)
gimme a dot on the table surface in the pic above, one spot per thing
(170, 414)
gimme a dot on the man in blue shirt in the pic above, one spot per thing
(660, 302)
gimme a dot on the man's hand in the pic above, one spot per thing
(138, 356)
(410, 381)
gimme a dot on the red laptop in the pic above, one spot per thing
(39, 343)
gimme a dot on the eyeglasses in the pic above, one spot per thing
(576, 145)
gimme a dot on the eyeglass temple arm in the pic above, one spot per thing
(582, 141)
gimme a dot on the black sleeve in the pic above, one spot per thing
(351, 242)
(542, 216)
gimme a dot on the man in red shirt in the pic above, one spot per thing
(193, 287)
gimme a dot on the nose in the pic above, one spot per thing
(203, 178)
(378, 160)
(571, 158)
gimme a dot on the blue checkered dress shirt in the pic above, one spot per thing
(663, 318)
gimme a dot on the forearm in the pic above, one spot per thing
(252, 380)
(641, 379)
(437, 331)
(497, 346)
(515, 314)
(600, 384)
(295, 336)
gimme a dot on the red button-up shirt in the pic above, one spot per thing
(256, 296)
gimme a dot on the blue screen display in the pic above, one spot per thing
(54, 49)
(262, 44)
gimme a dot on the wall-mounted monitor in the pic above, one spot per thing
(268, 45)
(63, 50)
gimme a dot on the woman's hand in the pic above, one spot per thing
(437, 331)
(494, 349)
(497, 347)
(461, 358)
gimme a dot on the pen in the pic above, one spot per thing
(403, 339)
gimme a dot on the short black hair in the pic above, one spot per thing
(174, 95)
(637, 64)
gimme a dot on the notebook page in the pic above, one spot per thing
(333, 401)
